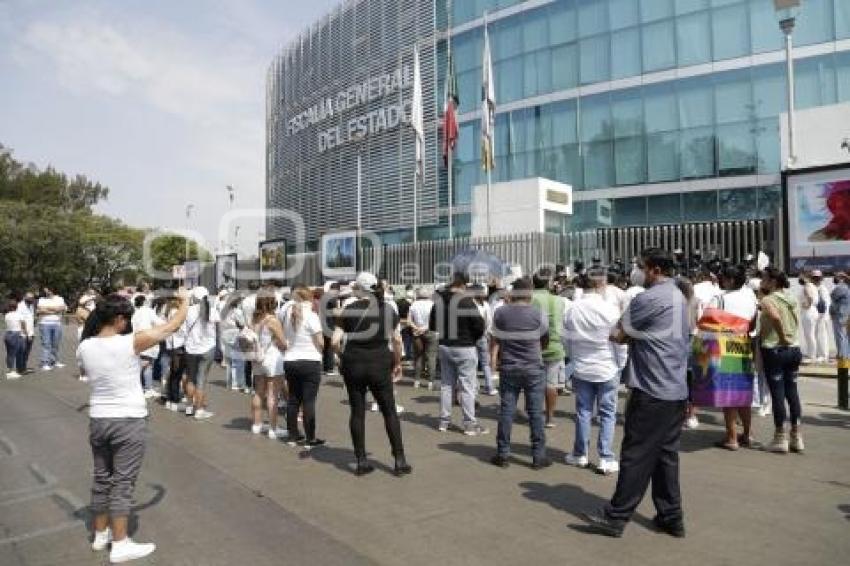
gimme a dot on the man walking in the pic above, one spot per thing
(520, 333)
(839, 311)
(657, 327)
(456, 319)
(51, 308)
(553, 356)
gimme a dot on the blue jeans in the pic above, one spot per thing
(15, 347)
(532, 382)
(587, 394)
(51, 338)
(147, 372)
(842, 343)
(457, 366)
(781, 365)
(483, 347)
(237, 372)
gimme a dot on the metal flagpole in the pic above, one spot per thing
(451, 206)
(358, 259)
(450, 157)
(415, 206)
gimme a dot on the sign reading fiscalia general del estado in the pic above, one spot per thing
(387, 117)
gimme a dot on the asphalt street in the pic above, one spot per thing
(211, 493)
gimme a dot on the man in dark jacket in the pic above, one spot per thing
(457, 320)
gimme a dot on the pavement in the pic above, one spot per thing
(210, 493)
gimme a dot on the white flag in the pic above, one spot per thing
(488, 106)
(416, 113)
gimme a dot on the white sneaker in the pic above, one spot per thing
(256, 429)
(84, 379)
(150, 393)
(399, 409)
(126, 550)
(58, 365)
(203, 414)
(184, 399)
(374, 408)
(234, 388)
(190, 410)
(101, 539)
(169, 406)
(608, 467)
(578, 461)
(416, 384)
(764, 411)
(46, 368)
(278, 433)
(13, 375)
(692, 423)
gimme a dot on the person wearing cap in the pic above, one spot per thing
(369, 343)
(839, 312)
(822, 322)
(200, 348)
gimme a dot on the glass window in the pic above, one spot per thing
(737, 204)
(517, 130)
(502, 142)
(627, 113)
(466, 50)
(659, 46)
(532, 71)
(630, 211)
(697, 153)
(842, 75)
(731, 32)
(736, 149)
(814, 82)
(700, 206)
(625, 53)
(665, 209)
(592, 17)
(508, 90)
(469, 85)
(815, 22)
(568, 166)
(563, 122)
(562, 22)
(842, 19)
(651, 10)
(767, 145)
(595, 118)
(623, 13)
(630, 160)
(535, 33)
(660, 109)
(595, 56)
(769, 201)
(467, 145)
(506, 38)
(769, 94)
(765, 34)
(662, 157)
(733, 97)
(598, 164)
(565, 66)
(696, 104)
(688, 6)
(693, 36)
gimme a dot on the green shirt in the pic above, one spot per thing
(786, 306)
(553, 307)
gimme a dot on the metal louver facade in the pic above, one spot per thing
(357, 42)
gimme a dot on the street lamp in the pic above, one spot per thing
(786, 12)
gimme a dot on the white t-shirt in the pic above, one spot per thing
(14, 322)
(420, 312)
(300, 341)
(146, 318)
(28, 315)
(200, 335)
(587, 327)
(704, 294)
(616, 297)
(741, 303)
(51, 302)
(113, 369)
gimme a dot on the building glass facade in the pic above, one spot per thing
(659, 111)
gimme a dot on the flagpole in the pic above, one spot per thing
(450, 162)
(451, 207)
(415, 208)
(489, 181)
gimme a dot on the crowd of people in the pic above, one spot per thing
(592, 333)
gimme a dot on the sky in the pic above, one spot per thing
(163, 101)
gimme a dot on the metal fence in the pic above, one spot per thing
(427, 262)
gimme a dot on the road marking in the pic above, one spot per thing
(7, 445)
(42, 532)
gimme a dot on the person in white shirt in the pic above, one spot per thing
(705, 291)
(823, 324)
(14, 341)
(268, 364)
(109, 355)
(50, 309)
(232, 323)
(424, 340)
(175, 346)
(26, 308)
(200, 347)
(303, 362)
(144, 318)
(596, 376)
(737, 299)
(809, 317)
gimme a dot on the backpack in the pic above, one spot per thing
(248, 344)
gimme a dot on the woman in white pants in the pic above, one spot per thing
(809, 316)
(823, 324)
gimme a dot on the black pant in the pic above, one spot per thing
(303, 378)
(328, 355)
(370, 371)
(249, 375)
(175, 374)
(650, 451)
(780, 371)
(27, 350)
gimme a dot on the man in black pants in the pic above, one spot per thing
(657, 329)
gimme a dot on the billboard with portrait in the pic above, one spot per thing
(818, 204)
(339, 254)
(225, 271)
(272, 259)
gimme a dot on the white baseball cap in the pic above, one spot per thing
(199, 293)
(366, 281)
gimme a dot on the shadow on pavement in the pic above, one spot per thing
(239, 423)
(828, 419)
(846, 510)
(340, 458)
(483, 453)
(85, 514)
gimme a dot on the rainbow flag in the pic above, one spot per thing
(722, 362)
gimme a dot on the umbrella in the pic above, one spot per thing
(480, 266)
